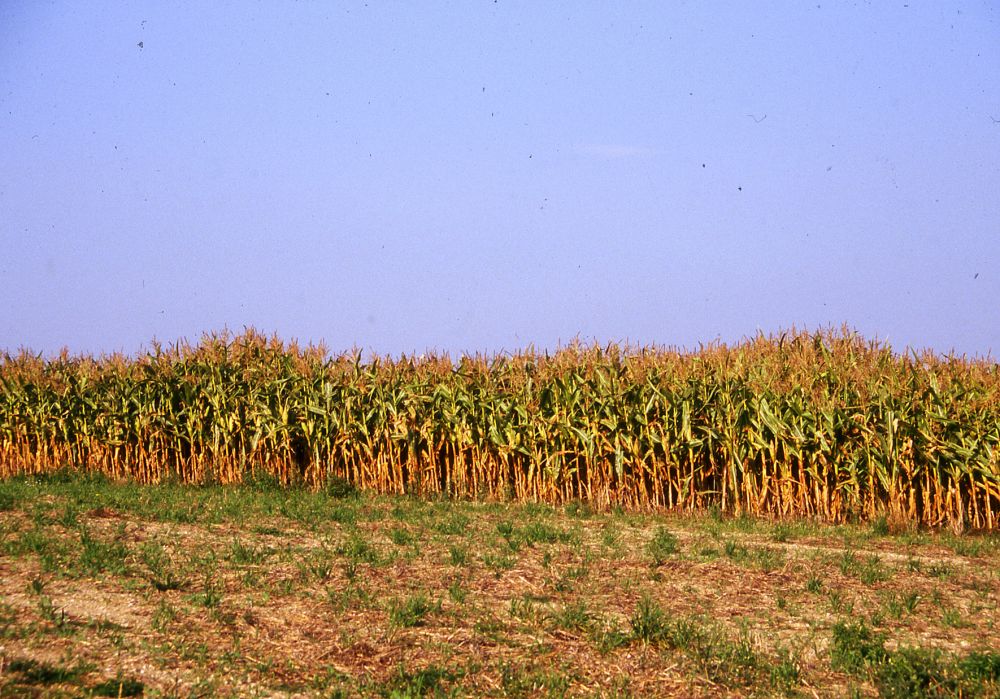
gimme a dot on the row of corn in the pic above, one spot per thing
(823, 425)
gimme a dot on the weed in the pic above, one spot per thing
(455, 524)
(662, 546)
(950, 616)
(406, 684)
(782, 533)
(731, 662)
(981, 668)
(855, 647)
(458, 555)
(539, 532)
(574, 616)
(897, 605)
(579, 509)
(648, 621)
(339, 488)
(318, 565)
(163, 616)
(768, 559)
(161, 573)
(880, 526)
(210, 597)
(412, 610)
(456, 592)
(499, 562)
(914, 673)
(350, 570)
(248, 554)
(611, 538)
(872, 571)
(400, 536)
(51, 613)
(522, 608)
(506, 529)
(849, 563)
(942, 571)
(784, 675)
(358, 549)
(100, 556)
(735, 551)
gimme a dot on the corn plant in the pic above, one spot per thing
(825, 425)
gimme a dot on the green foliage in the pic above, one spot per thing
(855, 647)
(861, 427)
(100, 555)
(662, 546)
(409, 684)
(915, 673)
(649, 622)
(412, 610)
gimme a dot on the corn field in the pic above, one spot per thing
(824, 425)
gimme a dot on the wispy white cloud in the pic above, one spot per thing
(612, 150)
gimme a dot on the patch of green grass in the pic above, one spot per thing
(407, 684)
(319, 565)
(784, 674)
(161, 572)
(880, 526)
(662, 546)
(102, 556)
(245, 554)
(358, 549)
(899, 603)
(400, 536)
(872, 571)
(649, 621)
(458, 555)
(453, 524)
(535, 532)
(499, 562)
(855, 647)
(412, 611)
(573, 616)
(457, 592)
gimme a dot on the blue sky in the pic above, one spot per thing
(481, 176)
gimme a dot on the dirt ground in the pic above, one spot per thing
(114, 591)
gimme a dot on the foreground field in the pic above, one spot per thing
(168, 590)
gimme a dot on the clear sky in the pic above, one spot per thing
(481, 176)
